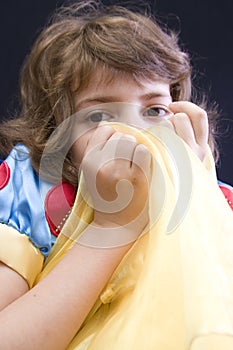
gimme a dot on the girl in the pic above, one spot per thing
(87, 56)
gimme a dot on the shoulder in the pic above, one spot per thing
(25, 238)
(227, 191)
(22, 194)
(42, 207)
(8, 165)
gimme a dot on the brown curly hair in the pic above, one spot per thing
(78, 39)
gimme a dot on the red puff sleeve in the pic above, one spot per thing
(228, 193)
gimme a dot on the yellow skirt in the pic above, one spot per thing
(174, 288)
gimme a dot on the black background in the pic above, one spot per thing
(206, 31)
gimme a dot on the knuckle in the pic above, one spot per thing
(130, 137)
(202, 113)
(117, 135)
(105, 128)
(181, 116)
(143, 149)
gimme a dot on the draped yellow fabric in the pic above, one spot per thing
(174, 288)
(17, 252)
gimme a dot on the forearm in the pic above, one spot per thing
(49, 315)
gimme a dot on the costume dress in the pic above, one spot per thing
(174, 289)
(32, 212)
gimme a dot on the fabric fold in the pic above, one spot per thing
(17, 252)
(174, 289)
(22, 200)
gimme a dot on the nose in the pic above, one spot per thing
(130, 114)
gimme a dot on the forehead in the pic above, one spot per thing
(106, 80)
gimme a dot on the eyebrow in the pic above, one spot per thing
(101, 99)
(106, 99)
(151, 95)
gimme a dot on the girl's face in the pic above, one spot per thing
(120, 100)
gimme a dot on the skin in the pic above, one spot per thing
(48, 316)
(55, 308)
(191, 124)
(189, 120)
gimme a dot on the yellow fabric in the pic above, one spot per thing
(174, 288)
(17, 252)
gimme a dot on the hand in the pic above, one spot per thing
(191, 124)
(117, 172)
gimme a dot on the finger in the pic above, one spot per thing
(125, 149)
(142, 158)
(99, 137)
(184, 128)
(120, 146)
(197, 116)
